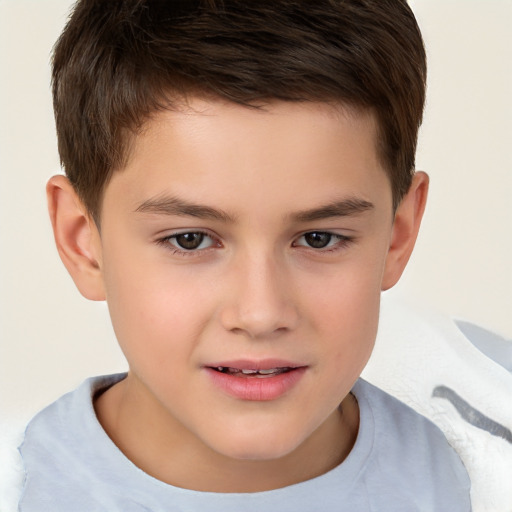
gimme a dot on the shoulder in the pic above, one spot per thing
(61, 423)
(410, 453)
(57, 447)
(394, 418)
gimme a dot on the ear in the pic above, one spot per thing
(405, 229)
(76, 236)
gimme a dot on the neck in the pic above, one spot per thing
(167, 451)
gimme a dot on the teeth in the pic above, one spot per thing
(235, 371)
(269, 371)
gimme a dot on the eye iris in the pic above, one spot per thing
(190, 240)
(317, 239)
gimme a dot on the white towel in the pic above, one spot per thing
(11, 465)
(425, 360)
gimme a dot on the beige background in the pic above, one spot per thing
(51, 338)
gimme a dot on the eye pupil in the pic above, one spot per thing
(190, 240)
(317, 239)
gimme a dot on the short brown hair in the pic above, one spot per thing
(118, 61)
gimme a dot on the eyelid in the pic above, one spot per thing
(164, 241)
(341, 241)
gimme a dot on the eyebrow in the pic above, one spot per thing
(343, 208)
(180, 207)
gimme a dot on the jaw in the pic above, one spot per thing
(259, 448)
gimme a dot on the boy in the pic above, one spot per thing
(239, 189)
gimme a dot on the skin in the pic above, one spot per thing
(254, 289)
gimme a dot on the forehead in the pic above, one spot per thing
(220, 151)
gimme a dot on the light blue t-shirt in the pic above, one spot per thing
(400, 462)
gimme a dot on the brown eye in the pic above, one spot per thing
(188, 241)
(323, 241)
(317, 239)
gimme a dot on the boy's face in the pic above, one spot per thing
(246, 239)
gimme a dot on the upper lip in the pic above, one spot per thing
(252, 364)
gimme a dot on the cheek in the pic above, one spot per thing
(346, 310)
(156, 311)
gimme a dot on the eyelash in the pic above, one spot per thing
(342, 242)
(165, 242)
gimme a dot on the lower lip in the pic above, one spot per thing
(256, 388)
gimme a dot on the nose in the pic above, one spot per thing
(261, 300)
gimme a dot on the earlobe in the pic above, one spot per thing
(405, 229)
(76, 237)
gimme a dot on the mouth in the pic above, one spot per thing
(256, 381)
(250, 372)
